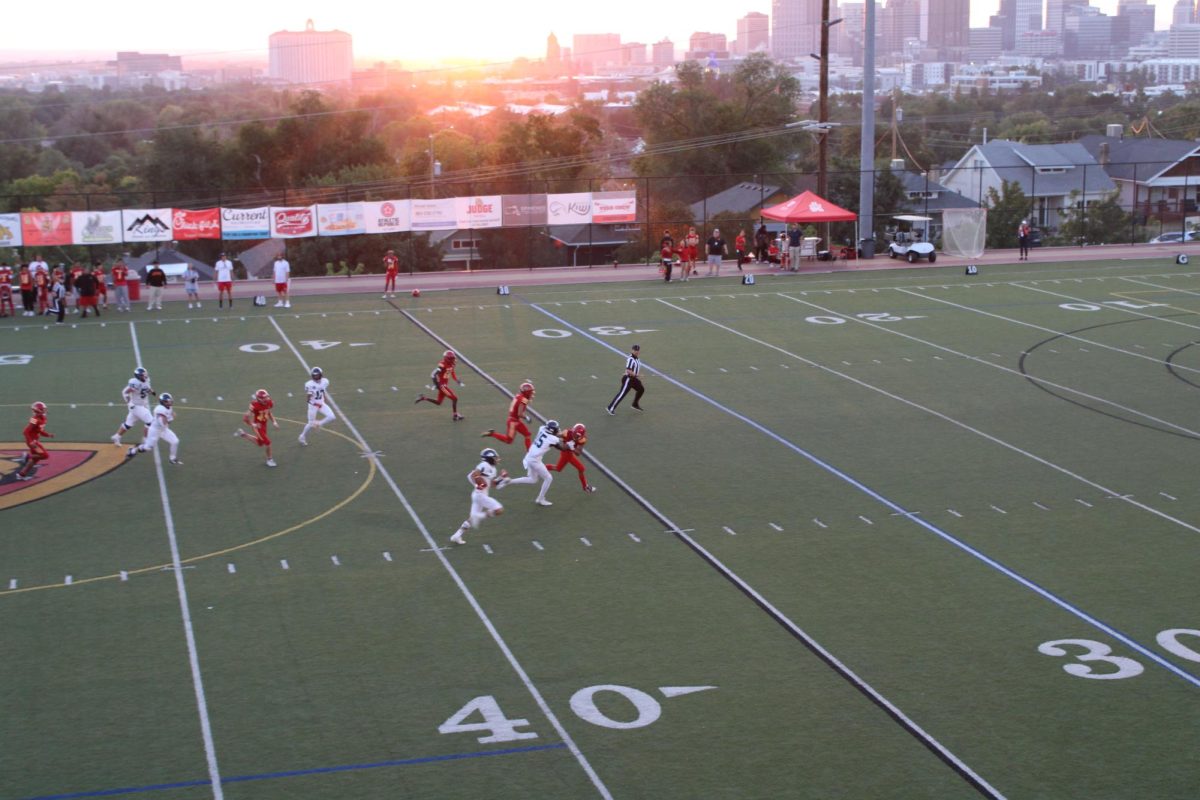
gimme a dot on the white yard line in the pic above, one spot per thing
(210, 749)
(462, 586)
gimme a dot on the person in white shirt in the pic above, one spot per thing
(224, 270)
(482, 478)
(136, 395)
(164, 415)
(38, 264)
(283, 273)
(547, 437)
(317, 392)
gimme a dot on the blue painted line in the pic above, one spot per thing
(947, 537)
(402, 762)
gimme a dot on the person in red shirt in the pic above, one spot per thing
(391, 267)
(34, 431)
(41, 283)
(28, 291)
(6, 301)
(517, 415)
(73, 289)
(101, 285)
(739, 246)
(441, 381)
(257, 417)
(691, 246)
(120, 276)
(574, 438)
(668, 261)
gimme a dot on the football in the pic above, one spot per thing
(416, 292)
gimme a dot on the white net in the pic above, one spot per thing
(964, 231)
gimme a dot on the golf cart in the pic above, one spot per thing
(912, 244)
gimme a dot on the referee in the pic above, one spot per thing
(630, 380)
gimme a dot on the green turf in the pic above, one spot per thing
(829, 440)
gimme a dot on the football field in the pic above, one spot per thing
(898, 534)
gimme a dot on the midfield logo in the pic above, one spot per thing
(70, 464)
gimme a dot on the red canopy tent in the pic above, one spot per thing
(808, 207)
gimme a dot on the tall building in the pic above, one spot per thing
(132, 62)
(553, 52)
(595, 50)
(1087, 33)
(1136, 21)
(796, 27)
(311, 56)
(899, 23)
(701, 45)
(753, 33)
(633, 53)
(1028, 16)
(945, 26)
(1185, 12)
(662, 54)
(1057, 10)
(986, 44)
(1005, 20)
(1183, 42)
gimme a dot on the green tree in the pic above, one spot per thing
(1006, 209)
(1098, 222)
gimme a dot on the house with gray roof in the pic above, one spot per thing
(1052, 176)
(744, 198)
(1157, 177)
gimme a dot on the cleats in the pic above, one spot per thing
(420, 397)
(487, 433)
(589, 489)
(457, 538)
(303, 441)
(239, 433)
(116, 439)
(131, 452)
(21, 477)
(611, 413)
(175, 461)
(458, 417)
(543, 502)
(271, 462)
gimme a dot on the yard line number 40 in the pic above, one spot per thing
(1091, 654)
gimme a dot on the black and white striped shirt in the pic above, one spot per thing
(633, 365)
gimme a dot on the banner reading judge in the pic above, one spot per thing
(477, 212)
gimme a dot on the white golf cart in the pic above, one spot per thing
(912, 244)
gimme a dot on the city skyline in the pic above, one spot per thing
(222, 30)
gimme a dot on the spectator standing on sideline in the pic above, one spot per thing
(668, 260)
(795, 237)
(739, 247)
(717, 250)
(101, 285)
(391, 266)
(191, 285)
(283, 274)
(762, 241)
(224, 269)
(28, 293)
(120, 275)
(1023, 234)
(630, 380)
(156, 279)
(85, 294)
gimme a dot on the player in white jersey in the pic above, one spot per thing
(547, 437)
(482, 479)
(317, 392)
(136, 395)
(164, 415)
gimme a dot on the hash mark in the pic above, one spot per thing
(635, 537)
(1039, 505)
(955, 513)
(691, 372)
(1084, 503)
(231, 567)
(487, 548)
(69, 580)
(124, 575)
(999, 509)
(538, 544)
(865, 519)
(729, 530)
(387, 556)
(754, 368)
(585, 541)
(822, 524)
(12, 583)
(722, 369)
(283, 563)
(776, 527)
(335, 560)
(1169, 497)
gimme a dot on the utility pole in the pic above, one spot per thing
(895, 119)
(866, 187)
(823, 103)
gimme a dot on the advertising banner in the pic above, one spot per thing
(147, 224)
(246, 223)
(610, 207)
(340, 219)
(477, 212)
(95, 227)
(569, 209)
(522, 210)
(204, 223)
(10, 230)
(45, 228)
(386, 216)
(434, 215)
(293, 222)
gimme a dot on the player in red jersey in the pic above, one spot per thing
(41, 282)
(73, 286)
(6, 291)
(101, 286)
(391, 266)
(441, 381)
(257, 417)
(517, 415)
(34, 431)
(574, 438)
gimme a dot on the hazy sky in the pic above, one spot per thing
(409, 30)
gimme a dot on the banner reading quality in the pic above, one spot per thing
(386, 216)
(340, 219)
(246, 223)
(10, 230)
(569, 209)
(293, 222)
(204, 223)
(95, 227)
(147, 224)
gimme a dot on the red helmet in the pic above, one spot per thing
(579, 429)
(449, 355)
(39, 408)
(262, 395)
(527, 389)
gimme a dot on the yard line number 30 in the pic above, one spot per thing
(1089, 655)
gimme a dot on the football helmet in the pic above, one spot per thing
(39, 408)
(527, 389)
(579, 429)
(166, 399)
(141, 374)
(552, 426)
(489, 455)
(262, 395)
(449, 355)
(317, 373)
